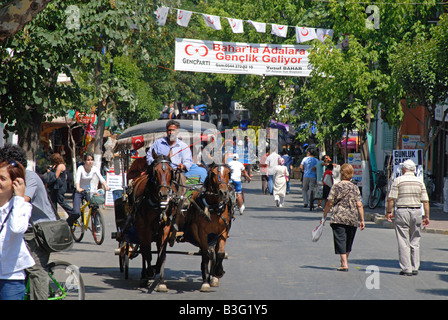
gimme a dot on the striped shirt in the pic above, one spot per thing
(408, 191)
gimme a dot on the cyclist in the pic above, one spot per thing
(83, 179)
(237, 168)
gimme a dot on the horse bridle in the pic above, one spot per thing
(165, 164)
(215, 192)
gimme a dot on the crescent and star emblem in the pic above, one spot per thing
(202, 50)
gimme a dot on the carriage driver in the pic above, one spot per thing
(178, 152)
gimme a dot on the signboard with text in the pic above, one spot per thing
(242, 58)
(115, 182)
(399, 156)
(355, 160)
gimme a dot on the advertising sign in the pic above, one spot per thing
(399, 156)
(242, 58)
(355, 160)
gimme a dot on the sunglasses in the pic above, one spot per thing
(13, 163)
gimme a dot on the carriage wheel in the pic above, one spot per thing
(121, 256)
(126, 261)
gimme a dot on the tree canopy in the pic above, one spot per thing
(121, 62)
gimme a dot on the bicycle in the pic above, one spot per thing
(378, 193)
(65, 282)
(94, 215)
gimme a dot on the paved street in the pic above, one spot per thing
(271, 257)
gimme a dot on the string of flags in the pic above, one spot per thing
(303, 34)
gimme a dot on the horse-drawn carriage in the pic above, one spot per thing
(155, 207)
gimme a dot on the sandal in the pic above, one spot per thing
(342, 269)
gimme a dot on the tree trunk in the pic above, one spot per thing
(30, 139)
(16, 14)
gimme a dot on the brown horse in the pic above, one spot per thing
(208, 221)
(151, 208)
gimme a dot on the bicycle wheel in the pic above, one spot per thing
(97, 226)
(65, 281)
(77, 230)
(374, 198)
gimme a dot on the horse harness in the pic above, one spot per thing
(215, 208)
(157, 206)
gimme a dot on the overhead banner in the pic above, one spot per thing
(242, 58)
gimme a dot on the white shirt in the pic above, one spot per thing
(272, 161)
(84, 179)
(14, 255)
(236, 169)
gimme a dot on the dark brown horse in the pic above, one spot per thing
(151, 207)
(208, 221)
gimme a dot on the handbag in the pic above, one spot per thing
(53, 236)
(317, 232)
(328, 181)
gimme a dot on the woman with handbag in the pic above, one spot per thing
(345, 203)
(14, 216)
(58, 187)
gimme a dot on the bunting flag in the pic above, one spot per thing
(322, 34)
(259, 26)
(236, 25)
(279, 30)
(213, 22)
(183, 17)
(161, 15)
(304, 34)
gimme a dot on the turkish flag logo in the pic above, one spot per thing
(201, 50)
(138, 142)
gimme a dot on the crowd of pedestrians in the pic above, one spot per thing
(342, 200)
(24, 197)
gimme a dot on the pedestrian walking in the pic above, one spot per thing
(264, 173)
(345, 201)
(58, 185)
(271, 161)
(408, 192)
(327, 181)
(281, 177)
(289, 161)
(308, 166)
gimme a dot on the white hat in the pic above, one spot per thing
(235, 156)
(408, 164)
